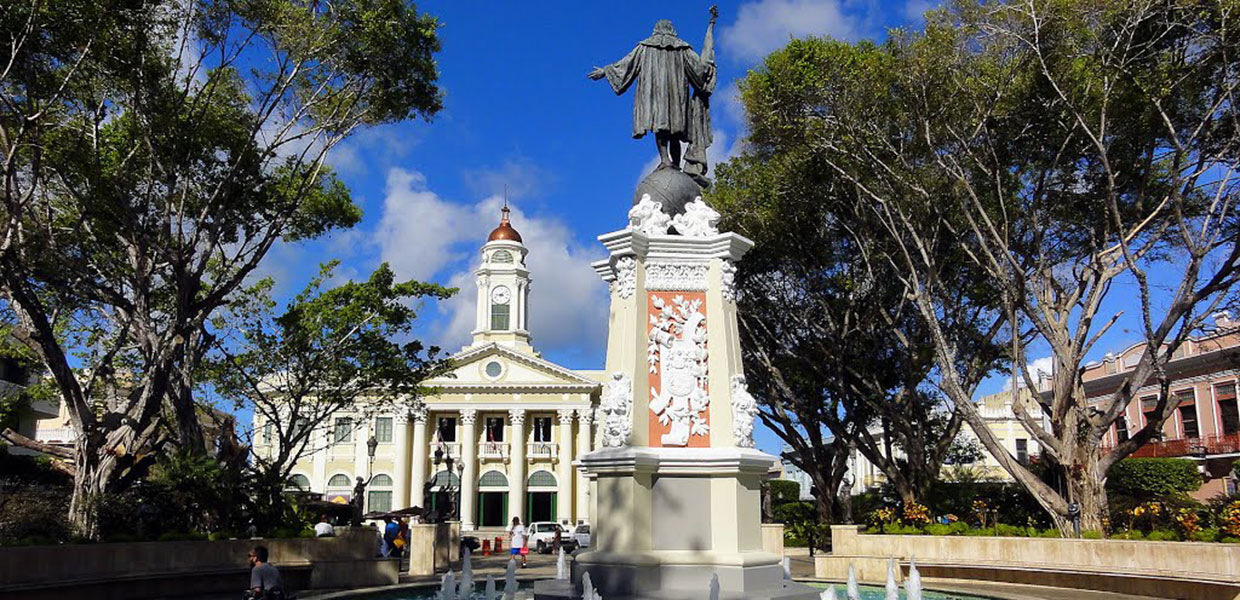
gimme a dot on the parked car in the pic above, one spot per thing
(542, 537)
(581, 535)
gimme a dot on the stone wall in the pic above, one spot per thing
(1164, 569)
(168, 569)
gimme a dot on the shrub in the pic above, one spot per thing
(1230, 540)
(1229, 519)
(783, 492)
(1205, 535)
(1153, 478)
(938, 529)
(1162, 535)
(1129, 535)
(1089, 535)
(896, 529)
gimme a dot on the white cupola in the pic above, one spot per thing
(503, 289)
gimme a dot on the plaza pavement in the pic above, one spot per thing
(543, 567)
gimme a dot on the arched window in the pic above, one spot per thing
(299, 482)
(338, 480)
(501, 256)
(493, 479)
(444, 479)
(541, 479)
(379, 495)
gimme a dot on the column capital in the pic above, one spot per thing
(469, 416)
(566, 416)
(517, 416)
(400, 418)
(419, 413)
(585, 415)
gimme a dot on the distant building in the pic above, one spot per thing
(996, 410)
(1206, 423)
(792, 472)
(14, 377)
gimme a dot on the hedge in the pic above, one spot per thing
(784, 491)
(1146, 478)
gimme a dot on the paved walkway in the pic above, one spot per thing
(543, 567)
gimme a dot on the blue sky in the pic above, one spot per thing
(519, 111)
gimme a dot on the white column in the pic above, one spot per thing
(516, 485)
(564, 474)
(400, 448)
(417, 477)
(585, 420)
(318, 445)
(361, 456)
(469, 458)
(484, 303)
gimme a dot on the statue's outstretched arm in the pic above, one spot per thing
(620, 74)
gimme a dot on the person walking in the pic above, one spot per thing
(517, 540)
(265, 580)
(390, 531)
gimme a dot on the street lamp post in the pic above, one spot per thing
(359, 491)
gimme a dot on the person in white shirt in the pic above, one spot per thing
(323, 528)
(516, 535)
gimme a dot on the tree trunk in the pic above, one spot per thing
(1086, 488)
(89, 484)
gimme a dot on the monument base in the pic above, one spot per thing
(670, 519)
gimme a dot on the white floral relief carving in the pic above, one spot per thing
(615, 411)
(698, 220)
(744, 411)
(626, 276)
(727, 276)
(647, 217)
(676, 353)
(675, 277)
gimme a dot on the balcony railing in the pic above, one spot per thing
(541, 451)
(493, 451)
(1210, 445)
(452, 449)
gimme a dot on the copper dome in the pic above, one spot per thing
(504, 231)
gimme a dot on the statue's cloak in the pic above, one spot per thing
(665, 67)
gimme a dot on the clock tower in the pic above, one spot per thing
(503, 289)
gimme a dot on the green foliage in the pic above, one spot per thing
(783, 492)
(1153, 478)
(1092, 534)
(1205, 535)
(155, 152)
(1162, 535)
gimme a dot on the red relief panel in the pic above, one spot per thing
(676, 360)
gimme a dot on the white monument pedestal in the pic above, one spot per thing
(676, 486)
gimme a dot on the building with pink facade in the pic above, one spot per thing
(1206, 424)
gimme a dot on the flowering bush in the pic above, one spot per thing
(1229, 519)
(1188, 521)
(916, 514)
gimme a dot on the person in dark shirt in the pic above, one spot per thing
(265, 580)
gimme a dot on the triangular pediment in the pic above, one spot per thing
(497, 366)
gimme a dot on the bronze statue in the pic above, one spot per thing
(672, 98)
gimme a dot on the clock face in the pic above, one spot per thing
(500, 295)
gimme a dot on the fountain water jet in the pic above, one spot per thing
(561, 566)
(893, 590)
(587, 588)
(510, 580)
(447, 588)
(853, 592)
(714, 586)
(912, 586)
(489, 592)
(829, 593)
(466, 586)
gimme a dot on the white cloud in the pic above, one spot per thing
(766, 25)
(914, 10)
(1040, 370)
(424, 236)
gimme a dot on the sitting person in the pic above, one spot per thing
(324, 529)
(265, 580)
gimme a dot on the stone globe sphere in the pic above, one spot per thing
(670, 186)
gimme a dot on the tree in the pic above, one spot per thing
(330, 350)
(838, 353)
(1068, 149)
(152, 153)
